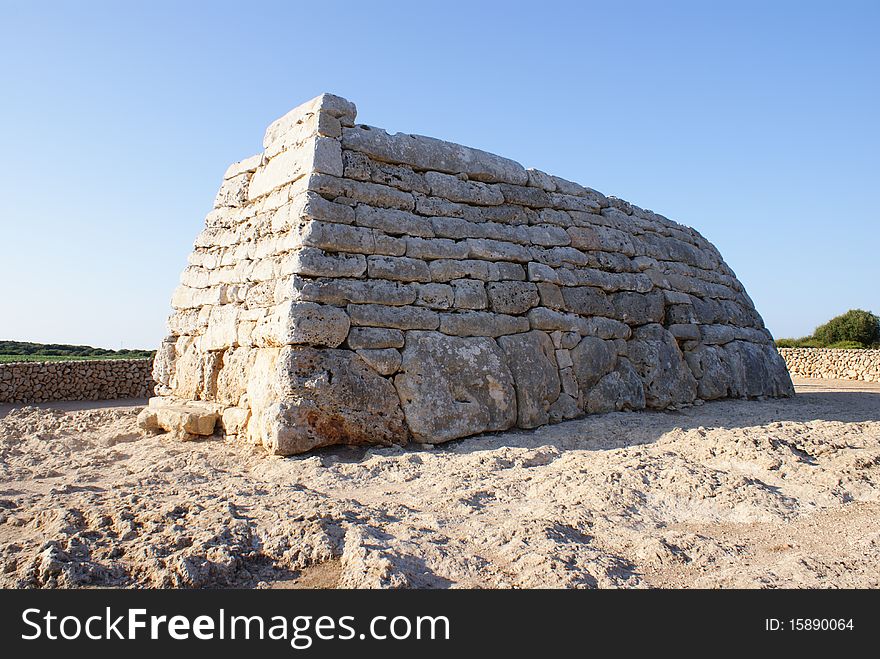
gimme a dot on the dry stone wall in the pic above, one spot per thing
(90, 379)
(355, 286)
(833, 364)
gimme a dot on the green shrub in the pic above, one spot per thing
(856, 326)
(852, 330)
(846, 345)
(805, 342)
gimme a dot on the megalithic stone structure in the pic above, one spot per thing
(353, 286)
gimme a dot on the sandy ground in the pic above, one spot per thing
(729, 494)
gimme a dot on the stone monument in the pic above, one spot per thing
(353, 286)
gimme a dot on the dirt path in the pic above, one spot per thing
(731, 493)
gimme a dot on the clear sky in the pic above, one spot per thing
(758, 123)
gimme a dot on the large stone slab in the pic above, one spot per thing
(330, 397)
(531, 359)
(452, 387)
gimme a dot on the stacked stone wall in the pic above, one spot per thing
(89, 379)
(833, 364)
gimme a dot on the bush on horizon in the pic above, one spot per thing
(856, 329)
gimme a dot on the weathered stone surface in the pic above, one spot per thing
(330, 397)
(374, 338)
(448, 269)
(404, 318)
(515, 295)
(361, 167)
(305, 323)
(452, 387)
(385, 361)
(436, 296)
(463, 191)
(470, 294)
(593, 358)
(186, 418)
(399, 268)
(531, 360)
(428, 153)
(393, 221)
(659, 362)
(317, 263)
(637, 308)
(621, 389)
(358, 291)
(512, 297)
(436, 248)
(587, 301)
(481, 323)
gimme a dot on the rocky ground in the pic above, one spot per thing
(729, 494)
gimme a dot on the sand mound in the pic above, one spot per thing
(772, 493)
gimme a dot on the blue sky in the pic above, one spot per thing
(755, 122)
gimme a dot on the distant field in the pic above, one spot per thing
(21, 351)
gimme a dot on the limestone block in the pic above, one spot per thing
(357, 291)
(393, 221)
(312, 206)
(398, 268)
(572, 203)
(463, 191)
(405, 318)
(246, 166)
(587, 301)
(385, 361)
(370, 338)
(531, 360)
(511, 271)
(436, 248)
(445, 270)
(548, 235)
(712, 375)
(333, 106)
(565, 407)
(496, 250)
(330, 397)
(525, 196)
(605, 328)
(550, 320)
(427, 153)
(304, 323)
(593, 358)
(621, 389)
(372, 194)
(685, 332)
(551, 296)
(540, 272)
(481, 323)
(436, 296)
(320, 154)
(233, 192)
(222, 328)
(452, 387)
(512, 297)
(717, 334)
(667, 379)
(539, 179)
(361, 167)
(234, 420)
(637, 308)
(185, 419)
(470, 294)
(338, 237)
(318, 263)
